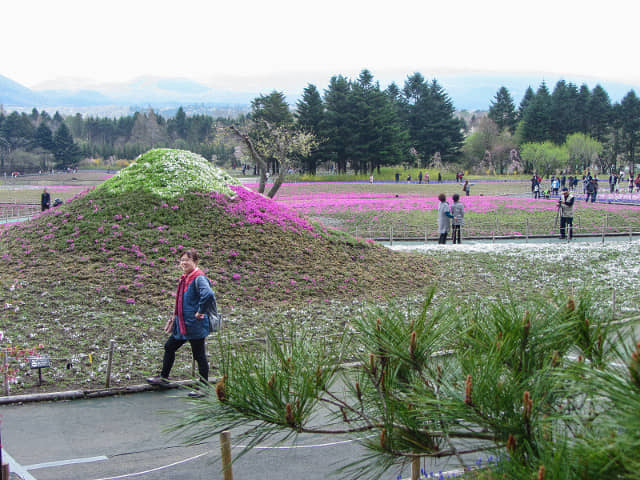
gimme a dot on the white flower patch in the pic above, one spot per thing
(169, 173)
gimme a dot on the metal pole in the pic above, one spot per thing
(390, 236)
(109, 362)
(526, 230)
(603, 227)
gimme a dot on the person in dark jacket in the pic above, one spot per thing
(565, 205)
(45, 200)
(189, 323)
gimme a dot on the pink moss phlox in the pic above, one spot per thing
(254, 209)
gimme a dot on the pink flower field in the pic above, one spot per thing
(360, 208)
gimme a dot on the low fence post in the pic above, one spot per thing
(5, 377)
(613, 305)
(604, 226)
(390, 236)
(526, 231)
(225, 451)
(112, 344)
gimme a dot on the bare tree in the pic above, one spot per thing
(276, 142)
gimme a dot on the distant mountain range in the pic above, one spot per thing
(473, 91)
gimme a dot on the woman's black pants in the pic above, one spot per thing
(199, 355)
(443, 238)
(456, 233)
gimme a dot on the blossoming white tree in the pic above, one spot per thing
(282, 143)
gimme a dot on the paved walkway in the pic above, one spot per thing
(122, 437)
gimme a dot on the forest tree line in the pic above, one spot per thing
(359, 127)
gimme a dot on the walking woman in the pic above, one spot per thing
(189, 323)
(444, 218)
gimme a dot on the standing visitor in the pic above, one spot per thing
(630, 183)
(565, 205)
(612, 182)
(426, 177)
(189, 323)
(45, 200)
(397, 177)
(419, 178)
(444, 219)
(439, 177)
(457, 210)
(466, 188)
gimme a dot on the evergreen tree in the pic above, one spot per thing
(443, 131)
(430, 118)
(503, 111)
(337, 127)
(582, 109)
(394, 93)
(44, 137)
(537, 117)
(272, 108)
(309, 114)
(524, 103)
(630, 122)
(179, 125)
(563, 118)
(599, 113)
(17, 130)
(66, 152)
(379, 138)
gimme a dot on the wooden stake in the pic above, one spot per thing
(110, 362)
(225, 451)
(415, 468)
(613, 305)
(5, 377)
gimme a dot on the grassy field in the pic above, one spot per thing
(73, 298)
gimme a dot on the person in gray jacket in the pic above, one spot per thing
(457, 210)
(565, 205)
(444, 218)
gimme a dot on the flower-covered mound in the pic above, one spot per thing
(104, 266)
(169, 173)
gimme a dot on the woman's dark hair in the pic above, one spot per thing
(456, 197)
(191, 253)
(442, 197)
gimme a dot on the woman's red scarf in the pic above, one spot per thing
(185, 281)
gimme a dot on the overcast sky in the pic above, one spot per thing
(248, 44)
